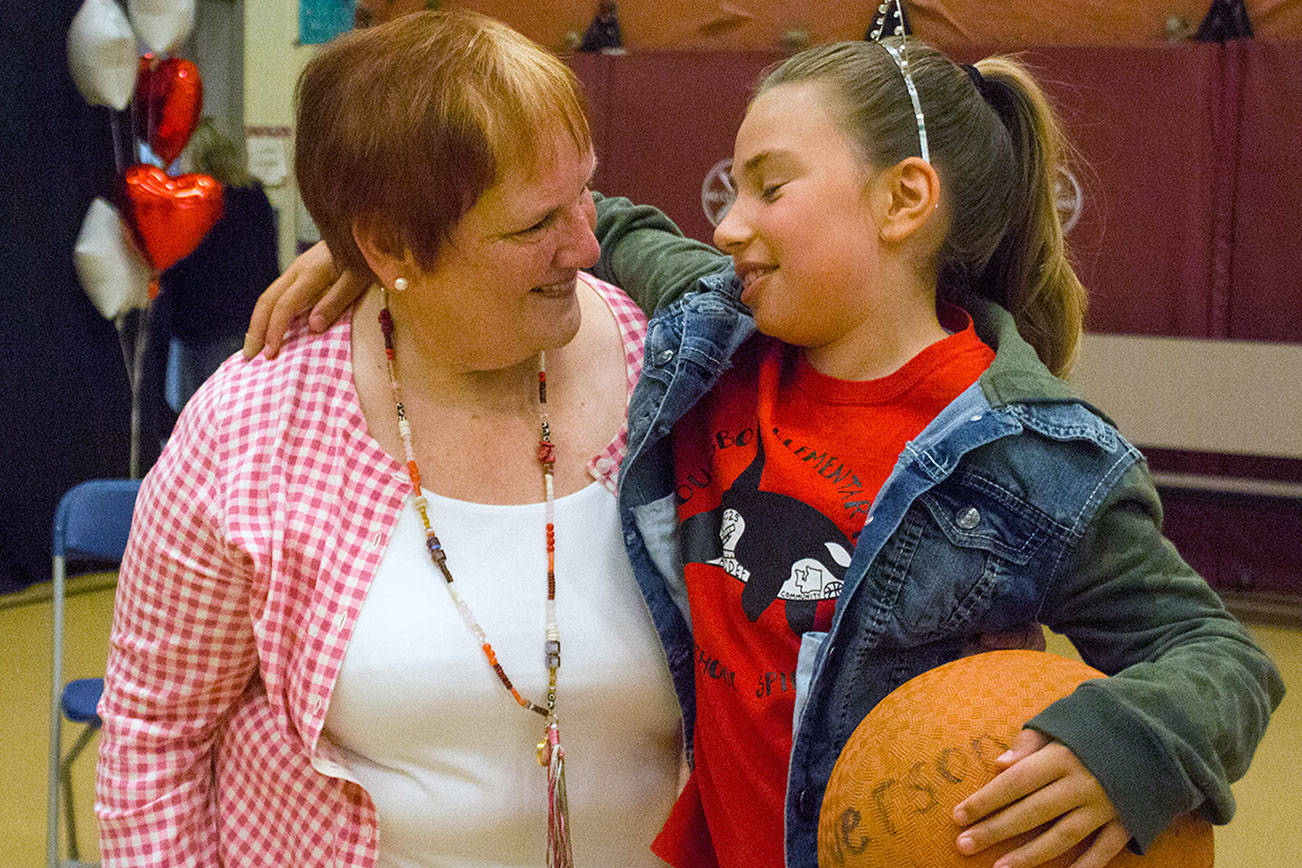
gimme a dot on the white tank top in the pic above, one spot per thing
(446, 754)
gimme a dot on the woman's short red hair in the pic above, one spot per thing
(403, 126)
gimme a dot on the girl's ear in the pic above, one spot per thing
(910, 196)
(387, 258)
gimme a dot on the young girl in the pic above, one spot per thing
(891, 468)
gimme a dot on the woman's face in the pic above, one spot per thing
(505, 284)
(801, 231)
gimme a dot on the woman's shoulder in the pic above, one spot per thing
(629, 319)
(626, 312)
(303, 354)
(244, 399)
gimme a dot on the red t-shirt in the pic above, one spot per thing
(775, 470)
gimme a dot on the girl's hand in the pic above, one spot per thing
(1041, 782)
(311, 281)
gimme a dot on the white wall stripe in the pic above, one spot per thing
(1235, 397)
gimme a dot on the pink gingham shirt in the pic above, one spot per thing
(253, 544)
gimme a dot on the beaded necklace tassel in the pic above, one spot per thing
(559, 854)
(550, 753)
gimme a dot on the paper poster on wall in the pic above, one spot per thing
(267, 155)
(322, 20)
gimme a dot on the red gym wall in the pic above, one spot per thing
(1190, 183)
(705, 25)
(1186, 177)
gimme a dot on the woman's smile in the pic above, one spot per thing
(561, 289)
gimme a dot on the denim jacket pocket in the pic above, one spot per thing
(960, 546)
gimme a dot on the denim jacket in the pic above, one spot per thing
(1066, 534)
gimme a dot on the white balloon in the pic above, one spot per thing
(113, 274)
(102, 54)
(162, 24)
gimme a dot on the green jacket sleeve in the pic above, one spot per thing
(1190, 692)
(646, 255)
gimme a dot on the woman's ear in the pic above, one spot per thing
(387, 258)
(910, 196)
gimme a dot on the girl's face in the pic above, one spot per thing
(802, 233)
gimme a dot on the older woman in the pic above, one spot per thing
(368, 576)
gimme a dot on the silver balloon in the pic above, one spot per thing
(162, 24)
(112, 273)
(102, 54)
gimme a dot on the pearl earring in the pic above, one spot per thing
(400, 284)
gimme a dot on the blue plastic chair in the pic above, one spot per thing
(91, 523)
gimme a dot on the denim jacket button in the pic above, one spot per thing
(664, 356)
(969, 518)
(805, 804)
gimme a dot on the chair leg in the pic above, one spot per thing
(65, 779)
(56, 708)
(70, 818)
(55, 788)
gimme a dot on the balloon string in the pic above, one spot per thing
(143, 94)
(120, 323)
(134, 110)
(147, 108)
(115, 134)
(137, 374)
(150, 120)
(124, 344)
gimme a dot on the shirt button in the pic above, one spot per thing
(805, 807)
(976, 418)
(969, 518)
(602, 464)
(664, 356)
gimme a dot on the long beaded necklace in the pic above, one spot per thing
(550, 753)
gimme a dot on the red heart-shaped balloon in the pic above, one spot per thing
(169, 98)
(169, 216)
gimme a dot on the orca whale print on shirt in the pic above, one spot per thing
(778, 546)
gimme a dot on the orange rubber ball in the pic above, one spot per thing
(932, 743)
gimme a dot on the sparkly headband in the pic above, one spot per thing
(901, 58)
